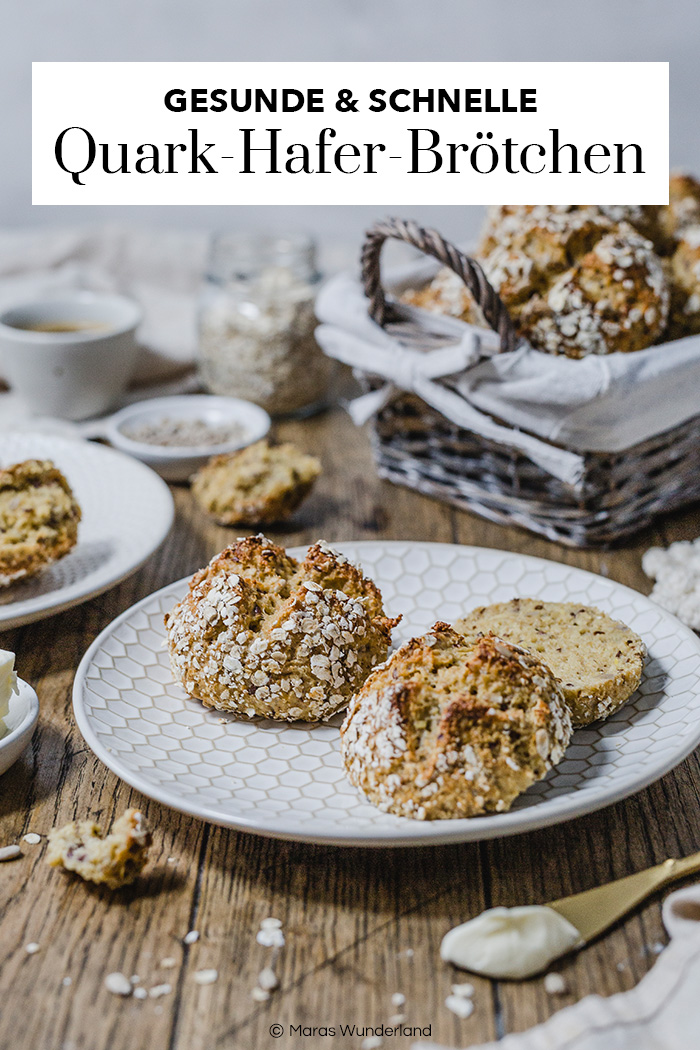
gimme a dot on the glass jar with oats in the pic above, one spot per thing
(256, 324)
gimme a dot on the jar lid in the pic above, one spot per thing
(240, 256)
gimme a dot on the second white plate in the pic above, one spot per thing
(286, 780)
(127, 513)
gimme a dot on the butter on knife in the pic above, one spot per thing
(520, 942)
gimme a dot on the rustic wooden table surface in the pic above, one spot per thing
(360, 925)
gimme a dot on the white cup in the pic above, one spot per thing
(70, 374)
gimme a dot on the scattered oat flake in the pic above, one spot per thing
(172, 860)
(407, 954)
(10, 852)
(554, 984)
(372, 1042)
(140, 993)
(271, 924)
(206, 976)
(270, 938)
(32, 838)
(168, 963)
(464, 991)
(159, 989)
(657, 948)
(191, 937)
(459, 1005)
(260, 995)
(398, 999)
(267, 979)
(397, 1018)
(135, 979)
(67, 982)
(32, 948)
(118, 984)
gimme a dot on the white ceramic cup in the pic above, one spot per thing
(70, 374)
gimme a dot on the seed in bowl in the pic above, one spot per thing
(184, 433)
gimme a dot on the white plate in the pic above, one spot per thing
(127, 513)
(17, 726)
(287, 781)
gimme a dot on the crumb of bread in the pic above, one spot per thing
(112, 860)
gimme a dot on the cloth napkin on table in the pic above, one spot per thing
(661, 1013)
(162, 270)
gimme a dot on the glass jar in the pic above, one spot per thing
(256, 324)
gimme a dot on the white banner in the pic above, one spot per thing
(389, 134)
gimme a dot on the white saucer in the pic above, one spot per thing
(18, 725)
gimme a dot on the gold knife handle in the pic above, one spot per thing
(678, 869)
(594, 910)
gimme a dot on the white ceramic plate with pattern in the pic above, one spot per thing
(286, 780)
(127, 513)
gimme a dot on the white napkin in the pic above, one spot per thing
(661, 1013)
(162, 270)
(407, 369)
(598, 403)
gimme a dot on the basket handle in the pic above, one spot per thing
(430, 242)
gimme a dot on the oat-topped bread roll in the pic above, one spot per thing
(683, 204)
(452, 727)
(258, 485)
(527, 260)
(597, 660)
(575, 282)
(615, 299)
(260, 633)
(502, 220)
(644, 218)
(38, 518)
(526, 249)
(684, 278)
(533, 247)
(446, 294)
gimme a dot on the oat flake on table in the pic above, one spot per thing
(118, 984)
(206, 976)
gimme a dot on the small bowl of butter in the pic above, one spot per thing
(19, 712)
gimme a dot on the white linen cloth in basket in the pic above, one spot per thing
(661, 1013)
(599, 404)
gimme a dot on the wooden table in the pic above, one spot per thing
(359, 924)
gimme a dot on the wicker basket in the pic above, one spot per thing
(414, 445)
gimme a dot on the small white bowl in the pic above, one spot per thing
(178, 463)
(18, 725)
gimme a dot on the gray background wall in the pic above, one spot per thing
(220, 30)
